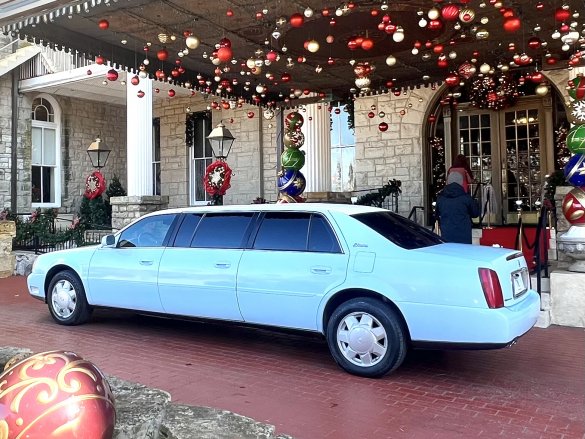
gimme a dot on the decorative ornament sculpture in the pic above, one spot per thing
(291, 182)
(56, 395)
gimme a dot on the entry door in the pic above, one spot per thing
(505, 150)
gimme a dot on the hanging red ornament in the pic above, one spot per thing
(551, 61)
(390, 29)
(160, 74)
(466, 15)
(162, 54)
(325, 12)
(224, 54)
(512, 24)
(135, 80)
(330, 61)
(383, 126)
(229, 13)
(296, 20)
(285, 77)
(259, 15)
(438, 49)
(371, 114)
(112, 75)
(157, 90)
(100, 60)
(367, 44)
(103, 24)
(171, 93)
(271, 56)
(540, 6)
(435, 25)
(250, 114)
(352, 44)
(374, 12)
(181, 70)
(140, 94)
(534, 43)
(452, 80)
(329, 39)
(225, 105)
(507, 12)
(466, 70)
(432, 118)
(175, 73)
(450, 12)
(537, 77)
(562, 14)
(442, 62)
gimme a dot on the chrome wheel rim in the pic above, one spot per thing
(63, 299)
(362, 339)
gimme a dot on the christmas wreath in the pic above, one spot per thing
(217, 178)
(95, 185)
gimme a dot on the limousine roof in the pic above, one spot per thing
(348, 209)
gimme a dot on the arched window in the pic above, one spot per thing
(46, 154)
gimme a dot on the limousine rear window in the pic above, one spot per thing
(402, 232)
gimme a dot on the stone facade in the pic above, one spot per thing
(398, 152)
(127, 209)
(254, 148)
(7, 260)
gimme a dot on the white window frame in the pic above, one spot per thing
(193, 184)
(337, 144)
(56, 125)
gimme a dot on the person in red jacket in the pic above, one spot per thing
(461, 166)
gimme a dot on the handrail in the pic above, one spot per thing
(413, 212)
(9, 44)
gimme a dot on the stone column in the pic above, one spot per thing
(139, 137)
(317, 169)
(7, 259)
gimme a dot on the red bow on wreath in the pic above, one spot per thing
(95, 185)
(217, 178)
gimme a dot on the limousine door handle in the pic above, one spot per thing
(223, 265)
(146, 262)
(321, 270)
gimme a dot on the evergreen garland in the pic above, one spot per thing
(376, 199)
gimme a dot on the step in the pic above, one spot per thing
(544, 319)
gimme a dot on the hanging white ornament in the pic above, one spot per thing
(579, 110)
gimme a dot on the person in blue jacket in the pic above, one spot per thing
(455, 209)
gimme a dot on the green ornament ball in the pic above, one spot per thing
(293, 158)
(576, 139)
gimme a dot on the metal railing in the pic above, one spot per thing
(58, 233)
(413, 213)
(52, 61)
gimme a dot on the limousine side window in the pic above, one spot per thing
(148, 232)
(321, 236)
(283, 231)
(222, 230)
(187, 229)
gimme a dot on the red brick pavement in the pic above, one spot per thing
(533, 390)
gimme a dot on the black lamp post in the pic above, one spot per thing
(221, 140)
(98, 153)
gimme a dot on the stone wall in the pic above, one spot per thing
(255, 138)
(127, 209)
(398, 152)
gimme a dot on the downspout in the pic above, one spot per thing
(14, 143)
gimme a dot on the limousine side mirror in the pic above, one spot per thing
(108, 240)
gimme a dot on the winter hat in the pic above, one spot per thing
(455, 177)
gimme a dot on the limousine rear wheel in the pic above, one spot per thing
(66, 299)
(366, 337)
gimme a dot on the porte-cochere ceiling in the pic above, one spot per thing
(270, 51)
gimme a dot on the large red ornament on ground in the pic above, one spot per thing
(56, 395)
(574, 206)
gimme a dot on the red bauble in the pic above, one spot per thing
(225, 42)
(135, 80)
(285, 77)
(452, 80)
(450, 12)
(162, 54)
(383, 126)
(140, 94)
(432, 118)
(112, 75)
(296, 20)
(271, 56)
(100, 60)
(171, 93)
(534, 43)
(551, 61)
(56, 394)
(250, 114)
(225, 105)
(537, 77)
(574, 206)
(512, 24)
(442, 63)
(103, 24)
(224, 54)
(175, 73)
(229, 13)
(438, 49)
(159, 74)
(371, 114)
(435, 25)
(562, 14)
(352, 44)
(367, 44)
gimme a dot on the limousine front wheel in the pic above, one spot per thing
(66, 299)
(366, 337)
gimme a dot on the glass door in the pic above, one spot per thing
(479, 142)
(522, 166)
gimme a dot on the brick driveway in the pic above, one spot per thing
(533, 390)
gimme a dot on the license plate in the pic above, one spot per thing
(519, 282)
